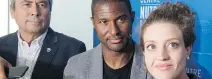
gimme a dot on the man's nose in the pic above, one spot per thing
(34, 10)
(114, 29)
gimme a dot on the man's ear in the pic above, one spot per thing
(133, 15)
(12, 12)
(93, 22)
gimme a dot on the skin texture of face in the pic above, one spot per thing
(32, 16)
(164, 50)
(113, 23)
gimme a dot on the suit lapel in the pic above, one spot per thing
(138, 70)
(96, 71)
(49, 48)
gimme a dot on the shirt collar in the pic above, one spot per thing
(38, 40)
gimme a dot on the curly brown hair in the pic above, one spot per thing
(176, 13)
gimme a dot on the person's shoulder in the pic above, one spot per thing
(82, 57)
(79, 62)
(4, 38)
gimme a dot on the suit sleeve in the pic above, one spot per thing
(70, 69)
(81, 48)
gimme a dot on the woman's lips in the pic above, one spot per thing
(164, 67)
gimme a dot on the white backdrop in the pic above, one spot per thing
(3, 17)
(71, 17)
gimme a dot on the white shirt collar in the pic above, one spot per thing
(38, 40)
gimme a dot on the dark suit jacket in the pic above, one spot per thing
(49, 65)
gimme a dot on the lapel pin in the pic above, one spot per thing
(49, 49)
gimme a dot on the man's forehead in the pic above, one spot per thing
(32, 0)
(115, 7)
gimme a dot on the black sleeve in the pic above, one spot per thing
(81, 48)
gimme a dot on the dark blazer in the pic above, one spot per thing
(49, 65)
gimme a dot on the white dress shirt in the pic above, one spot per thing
(28, 54)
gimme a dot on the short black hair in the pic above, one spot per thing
(94, 2)
(176, 13)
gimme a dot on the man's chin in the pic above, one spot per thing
(34, 30)
(116, 47)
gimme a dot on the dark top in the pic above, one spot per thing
(121, 73)
(192, 76)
